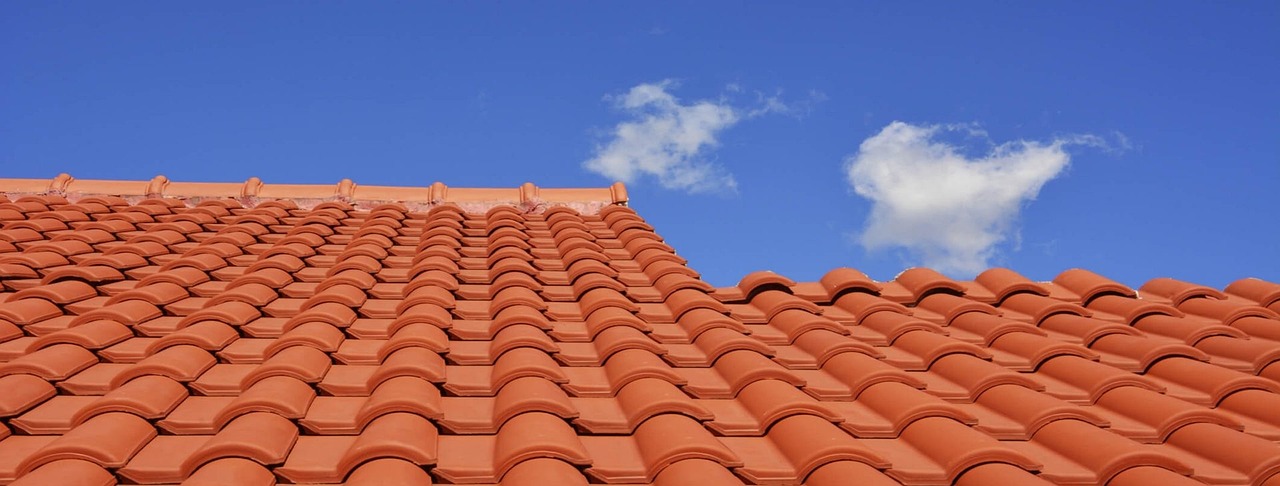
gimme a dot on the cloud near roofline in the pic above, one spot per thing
(669, 140)
(948, 210)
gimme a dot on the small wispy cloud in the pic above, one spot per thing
(949, 210)
(670, 140)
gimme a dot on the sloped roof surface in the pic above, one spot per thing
(541, 337)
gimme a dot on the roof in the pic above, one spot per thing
(222, 337)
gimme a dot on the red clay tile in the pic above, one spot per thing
(128, 312)
(667, 284)
(148, 397)
(732, 372)
(1240, 352)
(1022, 411)
(1149, 475)
(118, 261)
(97, 274)
(53, 363)
(604, 317)
(318, 335)
(1088, 285)
(607, 342)
(330, 458)
(1003, 473)
(857, 371)
(656, 269)
(861, 305)
(349, 415)
(892, 325)
(756, 282)
(971, 376)
(252, 293)
(1225, 455)
(368, 349)
(93, 335)
(710, 346)
(921, 348)
(29, 311)
(1077, 379)
(1003, 282)
(636, 402)
(774, 302)
(796, 322)
(1204, 383)
(508, 338)
(1132, 310)
(620, 369)
(23, 391)
(1227, 311)
(656, 444)
(282, 395)
(487, 458)
(487, 380)
(939, 449)
(843, 280)
(156, 293)
(796, 447)
(68, 471)
(1087, 453)
(108, 440)
(265, 438)
(988, 328)
(207, 335)
(1259, 291)
(486, 416)
(1190, 331)
(1177, 291)
(1259, 410)
(761, 404)
(886, 408)
(1152, 417)
(697, 321)
(59, 293)
(383, 471)
(818, 346)
(301, 362)
(543, 471)
(36, 260)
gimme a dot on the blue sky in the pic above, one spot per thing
(1135, 140)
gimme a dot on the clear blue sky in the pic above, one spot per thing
(1169, 112)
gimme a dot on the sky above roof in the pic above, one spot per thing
(1132, 140)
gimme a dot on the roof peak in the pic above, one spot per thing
(254, 191)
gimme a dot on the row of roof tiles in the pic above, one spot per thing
(254, 191)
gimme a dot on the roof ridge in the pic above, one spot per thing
(253, 191)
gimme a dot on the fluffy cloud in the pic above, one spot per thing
(668, 140)
(947, 209)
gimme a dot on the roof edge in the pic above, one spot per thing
(527, 196)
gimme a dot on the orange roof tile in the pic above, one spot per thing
(161, 332)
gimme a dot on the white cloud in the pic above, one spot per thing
(669, 140)
(666, 139)
(947, 209)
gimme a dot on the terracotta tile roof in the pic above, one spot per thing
(222, 334)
